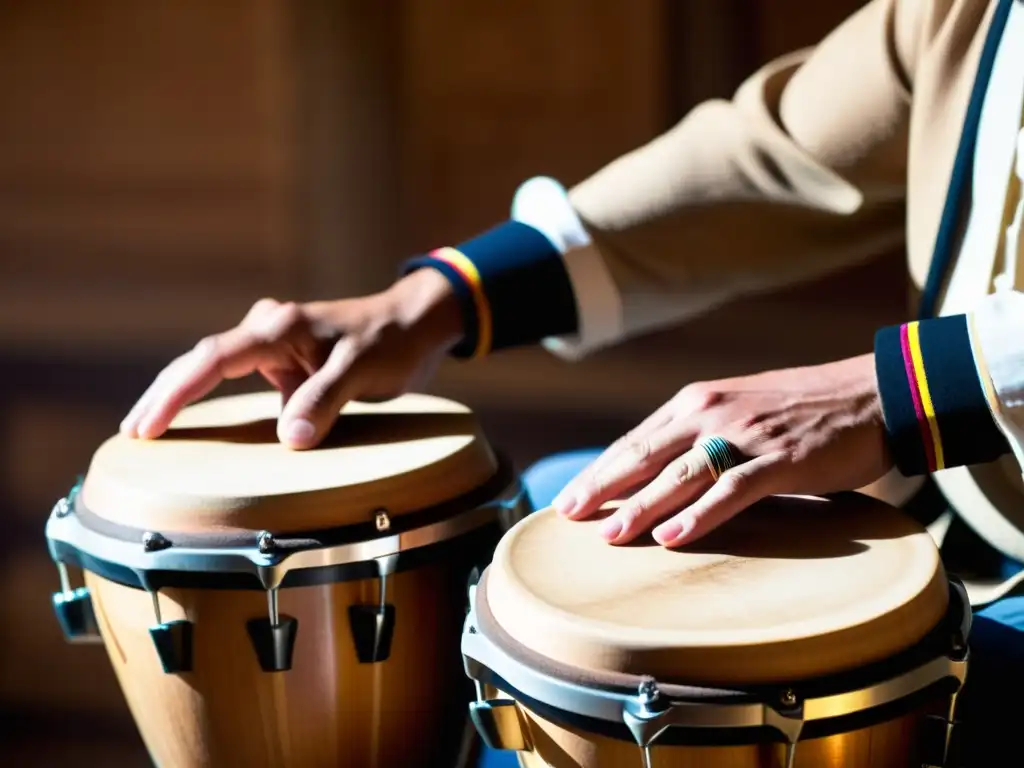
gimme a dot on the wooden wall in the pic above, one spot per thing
(163, 165)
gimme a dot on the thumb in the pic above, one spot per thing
(734, 491)
(314, 406)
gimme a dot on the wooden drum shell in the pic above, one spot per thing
(328, 710)
(891, 744)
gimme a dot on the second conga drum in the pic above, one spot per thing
(805, 633)
(265, 607)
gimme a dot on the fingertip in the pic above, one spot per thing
(563, 504)
(297, 434)
(670, 533)
(611, 529)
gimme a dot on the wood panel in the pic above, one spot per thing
(157, 142)
(497, 92)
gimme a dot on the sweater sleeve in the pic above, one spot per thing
(802, 172)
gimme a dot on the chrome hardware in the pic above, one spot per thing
(373, 626)
(70, 534)
(499, 723)
(648, 715)
(273, 637)
(154, 542)
(648, 692)
(62, 508)
(382, 521)
(74, 611)
(172, 640)
(265, 542)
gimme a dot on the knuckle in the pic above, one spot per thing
(639, 450)
(262, 306)
(207, 348)
(684, 470)
(702, 396)
(289, 313)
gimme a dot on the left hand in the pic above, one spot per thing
(809, 431)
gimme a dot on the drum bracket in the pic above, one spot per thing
(73, 607)
(172, 641)
(499, 724)
(373, 625)
(649, 715)
(273, 637)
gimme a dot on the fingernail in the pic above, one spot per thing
(667, 533)
(299, 432)
(611, 528)
(564, 505)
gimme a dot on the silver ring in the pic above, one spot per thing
(719, 455)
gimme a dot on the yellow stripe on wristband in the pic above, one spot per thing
(914, 337)
(467, 269)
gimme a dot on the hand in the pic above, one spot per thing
(318, 355)
(804, 430)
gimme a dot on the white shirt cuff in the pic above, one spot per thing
(544, 204)
(998, 328)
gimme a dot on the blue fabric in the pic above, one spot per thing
(992, 705)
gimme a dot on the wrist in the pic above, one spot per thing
(425, 302)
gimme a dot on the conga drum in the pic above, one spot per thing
(268, 607)
(806, 632)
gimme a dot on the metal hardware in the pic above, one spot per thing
(382, 521)
(68, 537)
(74, 611)
(500, 724)
(172, 640)
(265, 542)
(373, 626)
(787, 698)
(62, 508)
(273, 637)
(648, 692)
(154, 542)
(647, 716)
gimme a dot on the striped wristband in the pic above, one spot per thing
(935, 405)
(512, 286)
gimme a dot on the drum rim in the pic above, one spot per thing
(152, 560)
(649, 709)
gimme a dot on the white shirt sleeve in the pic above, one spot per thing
(998, 329)
(544, 204)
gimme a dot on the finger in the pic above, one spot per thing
(285, 380)
(636, 463)
(314, 407)
(676, 485)
(229, 355)
(583, 495)
(732, 493)
(130, 423)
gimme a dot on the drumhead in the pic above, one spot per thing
(220, 467)
(793, 588)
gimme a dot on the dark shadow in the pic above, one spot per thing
(798, 528)
(351, 430)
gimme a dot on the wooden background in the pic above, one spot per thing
(163, 165)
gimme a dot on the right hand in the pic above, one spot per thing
(318, 355)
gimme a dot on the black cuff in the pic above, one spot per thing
(513, 286)
(935, 407)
